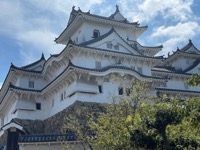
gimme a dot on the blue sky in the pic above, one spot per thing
(28, 28)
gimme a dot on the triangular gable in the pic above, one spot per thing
(116, 42)
(37, 65)
(117, 15)
(190, 48)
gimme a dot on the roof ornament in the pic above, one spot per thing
(73, 7)
(88, 12)
(117, 8)
(178, 49)
(79, 9)
(190, 41)
(168, 54)
(42, 57)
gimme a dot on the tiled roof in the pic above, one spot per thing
(190, 44)
(168, 69)
(24, 69)
(159, 46)
(177, 90)
(46, 138)
(75, 12)
(11, 86)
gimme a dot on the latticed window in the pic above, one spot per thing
(109, 45)
(116, 47)
(31, 84)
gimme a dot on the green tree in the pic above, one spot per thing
(136, 120)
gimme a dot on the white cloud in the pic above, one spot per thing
(145, 11)
(173, 35)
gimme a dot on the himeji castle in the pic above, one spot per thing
(97, 49)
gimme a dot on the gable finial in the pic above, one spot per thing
(73, 7)
(117, 8)
(190, 41)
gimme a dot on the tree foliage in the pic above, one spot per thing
(137, 120)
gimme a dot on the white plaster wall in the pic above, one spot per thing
(26, 109)
(182, 64)
(39, 83)
(9, 114)
(85, 31)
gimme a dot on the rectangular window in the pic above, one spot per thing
(38, 106)
(52, 104)
(76, 40)
(65, 94)
(139, 69)
(31, 84)
(96, 33)
(2, 121)
(100, 88)
(116, 47)
(120, 90)
(109, 45)
(61, 97)
(186, 86)
(106, 79)
(98, 64)
(164, 84)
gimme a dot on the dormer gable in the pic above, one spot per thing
(111, 41)
(36, 66)
(190, 48)
(117, 15)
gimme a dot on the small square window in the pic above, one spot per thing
(98, 64)
(109, 45)
(31, 84)
(116, 47)
(139, 69)
(100, 88)
(96, 33)
(38, 106)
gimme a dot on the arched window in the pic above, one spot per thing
(96, 33)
